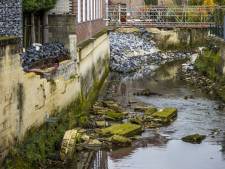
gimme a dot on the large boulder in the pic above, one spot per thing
(194, 138)
(118, 140)
(150, 110)
(165, 115)
(126, 129)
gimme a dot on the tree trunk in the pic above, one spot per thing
(25, 40)
(45, 23)
(39, 29)
(33, 38)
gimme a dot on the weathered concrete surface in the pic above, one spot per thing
(27, 99)
(178, 38)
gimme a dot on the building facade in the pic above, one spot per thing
(87, 16)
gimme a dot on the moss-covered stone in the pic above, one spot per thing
(150, 110)
(195, 138)
(112, 105)
(114, 116)
(120, 140)
(141, 108)
(102, 124)
(126, 129)
(109, 109)
(165, 116)
(136, 120)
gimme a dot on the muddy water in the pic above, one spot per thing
(162, 148)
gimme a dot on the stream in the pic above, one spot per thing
(136, 65)
(162, 148)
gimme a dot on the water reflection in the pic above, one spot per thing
(162, 148)
(175, 155)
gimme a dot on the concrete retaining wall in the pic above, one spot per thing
(27, 99)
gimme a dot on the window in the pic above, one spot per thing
(100, 15)
(94, 9)
(91, 9)
(84, 10)
(88, 10)
(79, 11)
(97, 9)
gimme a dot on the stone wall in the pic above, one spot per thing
(28, 100)
(60, 27)
(11, 18)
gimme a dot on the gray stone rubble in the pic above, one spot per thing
(11, 18)
(138, 55)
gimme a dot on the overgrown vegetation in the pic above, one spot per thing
(209, 64)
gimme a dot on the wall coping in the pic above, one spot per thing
(9, 40)
(87, 42)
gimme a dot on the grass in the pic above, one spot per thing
(209, 64)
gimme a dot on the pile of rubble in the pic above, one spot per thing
(114, 127)
(43, 56)
(137, 54)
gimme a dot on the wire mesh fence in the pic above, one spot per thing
(164, 16)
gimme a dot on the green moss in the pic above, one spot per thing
(120, 140)
(126, 129)
(166, 115)
(114, 116)
(137, 120)
(195, 138)
(150, 110)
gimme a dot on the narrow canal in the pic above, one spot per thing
(162, 148)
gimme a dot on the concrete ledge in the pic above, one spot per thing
(87, 42)
(9, 40)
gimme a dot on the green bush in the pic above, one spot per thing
(209, 64)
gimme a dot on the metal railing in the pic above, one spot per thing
(162, 16)
(217, 30)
